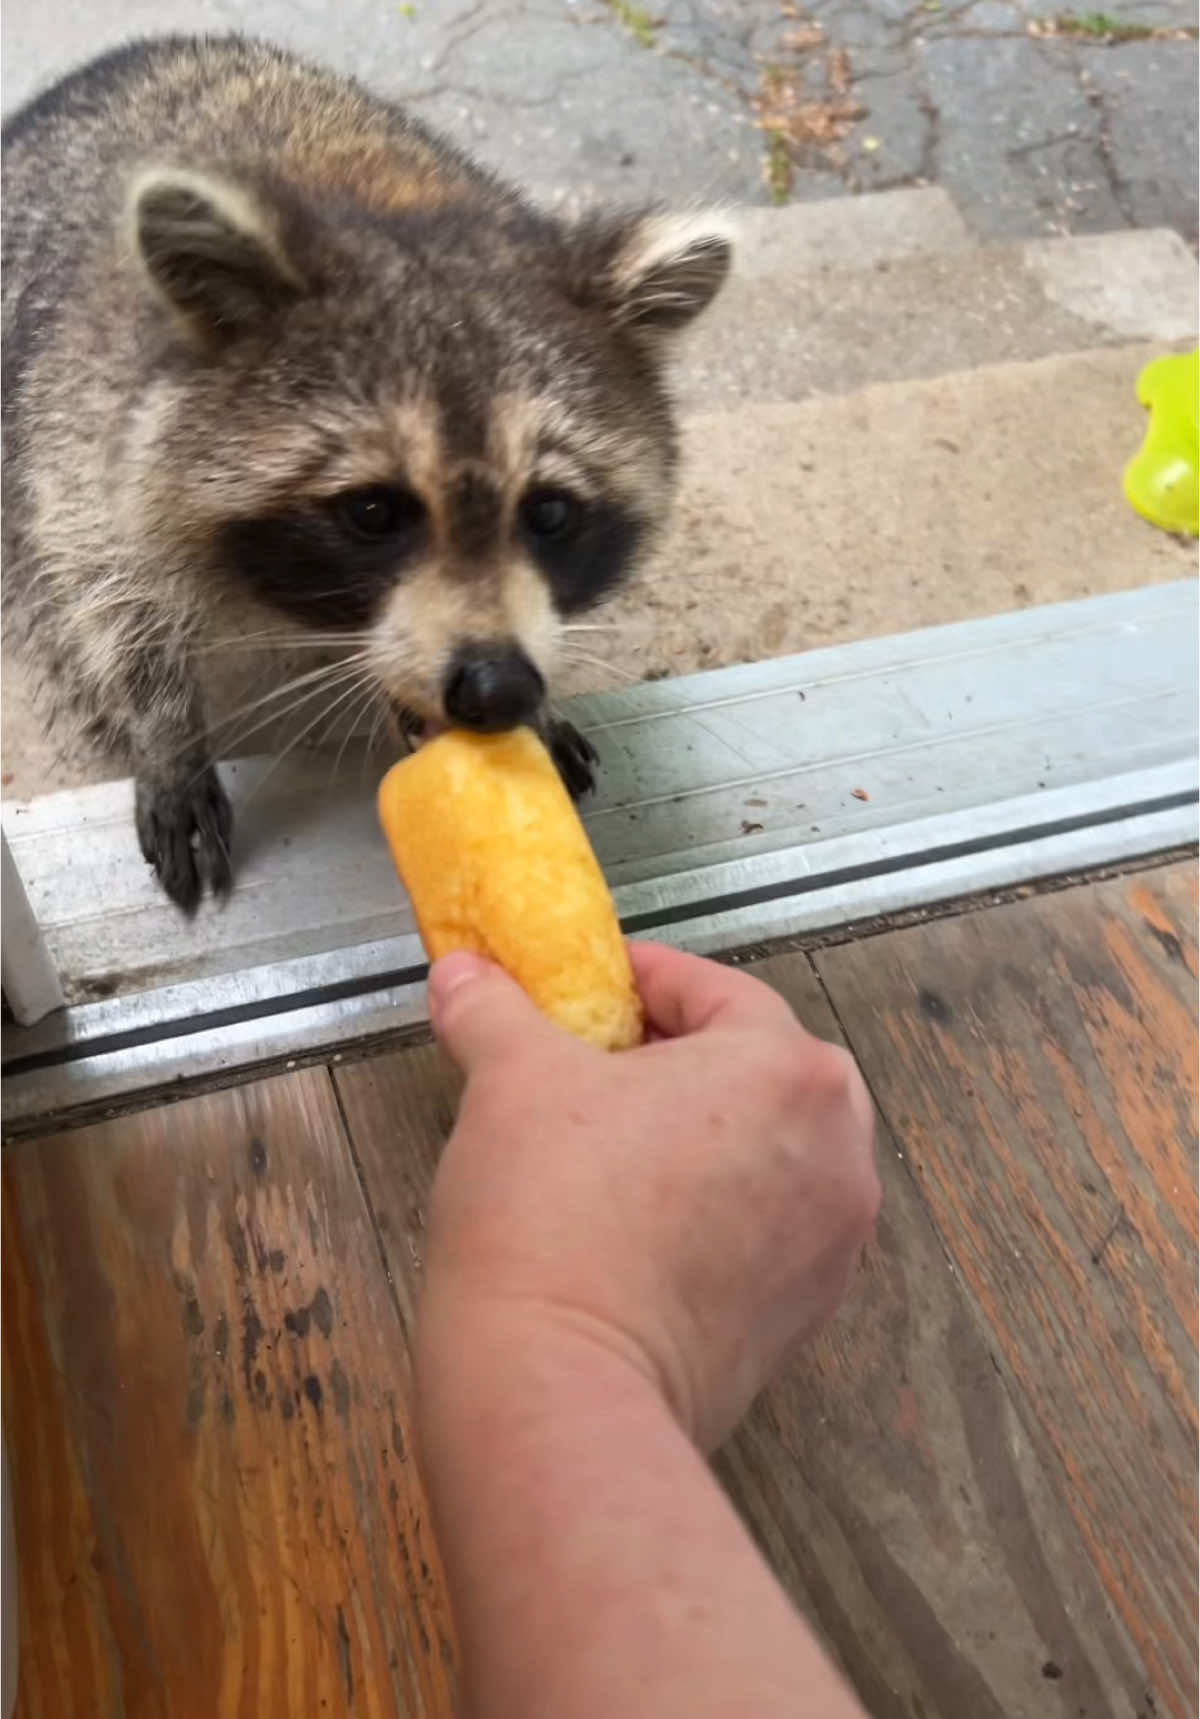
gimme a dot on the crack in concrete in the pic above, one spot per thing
(1071, 135)
(731, 51)
(1104, 150)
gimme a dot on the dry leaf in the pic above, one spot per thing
(784, 108)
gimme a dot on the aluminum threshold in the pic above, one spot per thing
(737, 806)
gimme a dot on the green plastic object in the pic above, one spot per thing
(1161, 478)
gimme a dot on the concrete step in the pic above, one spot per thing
(788, 329)
(906, 504)
(853, 232)
(857, 231)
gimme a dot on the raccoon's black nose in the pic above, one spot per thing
(492, 687)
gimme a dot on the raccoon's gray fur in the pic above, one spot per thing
(278, 364)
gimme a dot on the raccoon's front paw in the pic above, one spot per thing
(184, 832)
(575, 756)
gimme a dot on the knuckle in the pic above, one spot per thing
(824, 1081)
(841, 1072)
(824, 1075)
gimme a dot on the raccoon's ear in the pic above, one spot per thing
(210, 249)
(654, 273)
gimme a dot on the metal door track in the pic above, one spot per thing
(737, 806)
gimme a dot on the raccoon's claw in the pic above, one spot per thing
(575, 756)
(184, 834)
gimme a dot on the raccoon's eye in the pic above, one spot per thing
(550, 513)
(378, 510)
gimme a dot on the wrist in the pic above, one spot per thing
(594, 1565)
(479, 1353)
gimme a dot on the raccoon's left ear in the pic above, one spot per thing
(653, 273)
(213, 250)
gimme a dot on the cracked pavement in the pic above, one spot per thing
(1032, 128)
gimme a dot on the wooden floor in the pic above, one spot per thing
(981, 1484)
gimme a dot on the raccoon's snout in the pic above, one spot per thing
(492, 687)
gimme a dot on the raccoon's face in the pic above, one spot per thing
(439, 433)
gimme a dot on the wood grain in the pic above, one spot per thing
(206, 1397)
(974, 1484)
(400, 1109)
(1037, 1065)
(887, 1477)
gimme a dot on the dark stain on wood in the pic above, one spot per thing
(318, 1312)
(399, 1447)
(237, 1247)
(340, 1386)
(343, 1641)
(193, 1319)
(933, 1007)
(223, 1598)
(253, 1333)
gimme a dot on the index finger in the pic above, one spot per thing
(685, 993)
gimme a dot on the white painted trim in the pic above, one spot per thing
(29, 977)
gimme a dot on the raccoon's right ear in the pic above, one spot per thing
(652, 273)
(211, 249)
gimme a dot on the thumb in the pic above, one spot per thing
(478, 1012)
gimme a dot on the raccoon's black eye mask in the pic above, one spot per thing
(583, 548)
(332, 564)
(329, 565)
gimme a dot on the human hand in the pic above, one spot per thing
(696, 1205)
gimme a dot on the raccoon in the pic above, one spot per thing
(280, 364)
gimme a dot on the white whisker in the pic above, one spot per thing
(351, 724)
(380, 723)
(585, 658)
(285, 641)
(316, 683)
(321, 715)
(360, 710)
(311, 677)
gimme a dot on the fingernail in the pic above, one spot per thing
(460, 968)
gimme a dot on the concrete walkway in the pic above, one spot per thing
(1034, 124)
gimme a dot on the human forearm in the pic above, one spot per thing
(596, 1568)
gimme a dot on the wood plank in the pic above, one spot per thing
(206, 1397)
(1037, 1064)
(887, 1476)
